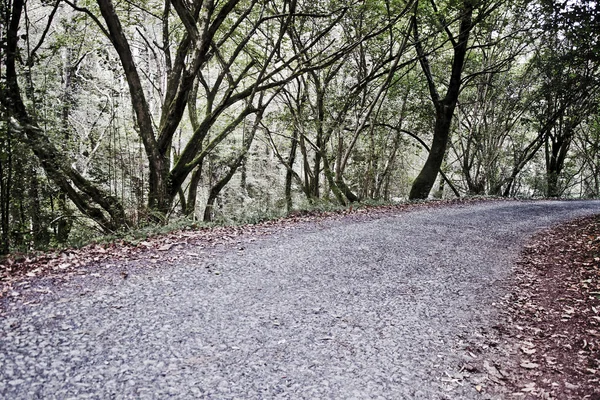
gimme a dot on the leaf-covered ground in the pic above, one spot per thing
(552, 330)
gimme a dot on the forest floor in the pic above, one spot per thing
(545, 343)
(549, 345)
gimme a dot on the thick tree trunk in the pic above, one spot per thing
(557, 149)
(161, 192)
(160, 195)
(444, 106)
(348, 193)
(552, 186)
(508, 188)
(425, 180)
(339, 195)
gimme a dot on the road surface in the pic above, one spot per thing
(370, 309)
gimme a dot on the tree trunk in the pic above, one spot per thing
(426, 178)
(193, 191)
(343, 187)
(557, 148)
(216, 189)
(5, 186)
(65, 222)
(161, 194)
(160, 197)
(40, 235)
(339, 195)
(444, 106)
(289, 174)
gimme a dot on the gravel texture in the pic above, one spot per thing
(371, 309)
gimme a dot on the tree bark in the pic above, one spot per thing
(444, 106)
(557, 148)
(6, 173)
(425, 180)
(158, 198)
(289, 173)
(193, 191)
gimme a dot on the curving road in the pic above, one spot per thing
(371, 309)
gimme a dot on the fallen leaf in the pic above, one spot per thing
(165, 247)
(492, 370)
(570, 386)
(528, 350)
(529, 365)
(528, 388)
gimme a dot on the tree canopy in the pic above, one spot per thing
(116, 114)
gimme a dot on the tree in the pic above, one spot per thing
(569, 66)
(444, 106)
(495, 98)
(89, 198)
(334, 108)
(227, 37)
(587, 151)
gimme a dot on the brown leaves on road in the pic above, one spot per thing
(555, 315)
(18, 274)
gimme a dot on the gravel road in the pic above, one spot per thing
(346, 309)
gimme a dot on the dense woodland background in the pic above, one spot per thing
(118, 114)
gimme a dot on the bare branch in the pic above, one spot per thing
(29, 62)
(89, 14)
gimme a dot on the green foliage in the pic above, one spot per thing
(85, 234)
(332, 126)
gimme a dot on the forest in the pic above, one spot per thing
(120, 114)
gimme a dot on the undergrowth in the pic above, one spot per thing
(86, 235)
(136, 235)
